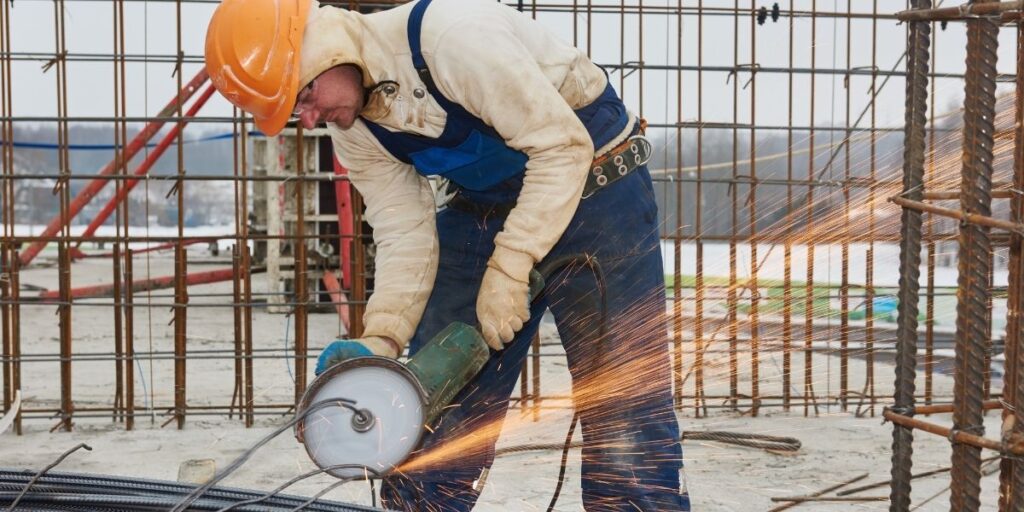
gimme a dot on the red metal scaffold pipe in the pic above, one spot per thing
(145, 166)
(94, 186)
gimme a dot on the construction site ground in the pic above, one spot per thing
(837, 445)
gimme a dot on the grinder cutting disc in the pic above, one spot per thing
(383, 438)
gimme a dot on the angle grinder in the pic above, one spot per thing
(394, 402)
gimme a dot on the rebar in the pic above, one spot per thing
(974, 259)
(1011, 476)
(918, 40)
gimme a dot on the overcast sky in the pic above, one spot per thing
(151, 29)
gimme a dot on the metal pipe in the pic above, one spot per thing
(155, 283)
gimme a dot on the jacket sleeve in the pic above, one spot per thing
(400, 208)
(501, 83)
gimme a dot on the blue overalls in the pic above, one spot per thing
(631, 456)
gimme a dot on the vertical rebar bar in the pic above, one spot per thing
(360, 276)
(118, 333)
(180, 339)
(245, 267)
(930, 178)
(15, 295)
(698, 315)
(731, 296)
(249, 402)
(63, 189)
(1011, 476)
(236, 316)
(677, 242)
(535, 360)
(5, 324)
(301, 281)
(918, 39)
(180, 256)
(7, 198)
(844, 283)
(973, 330)
(869, 278)
(787, 266)
(64, 313)
(129, 343)
(755, 361)
(809, 397)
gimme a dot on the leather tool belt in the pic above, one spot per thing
(608, 168)
(617, 163)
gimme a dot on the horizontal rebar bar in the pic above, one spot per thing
(961, 12)
(962, 216)
(953, 435)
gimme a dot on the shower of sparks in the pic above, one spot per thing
(627, 376)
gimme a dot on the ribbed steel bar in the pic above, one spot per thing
(180, 335)
(15, 330)
(930, 180)
(236, 285)
(1011, 476)
(869, 267)
(677, 245)
(809, 230)
(7, 198)
(844, 284)
(5, 327)
(301, 278)
(118, 312)
(787, 271)
(918, 41)
(129, 345)
(751, 200)
(733, 298)
(698, 317)
(974, 260)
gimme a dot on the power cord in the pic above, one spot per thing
(241, 459)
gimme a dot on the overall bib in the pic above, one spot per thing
(631, 456)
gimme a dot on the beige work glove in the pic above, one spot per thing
(501, 306)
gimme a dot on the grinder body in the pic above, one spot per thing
(394, 402)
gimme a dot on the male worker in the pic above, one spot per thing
(480, 94)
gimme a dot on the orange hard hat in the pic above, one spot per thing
(252, 56)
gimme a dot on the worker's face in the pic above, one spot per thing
(336, 96)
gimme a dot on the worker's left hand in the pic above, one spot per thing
(341, 350)
(501, 307)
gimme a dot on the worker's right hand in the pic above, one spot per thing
(341, 350)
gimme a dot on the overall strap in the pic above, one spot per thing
(414, 31)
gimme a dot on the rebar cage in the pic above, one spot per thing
(779, 130)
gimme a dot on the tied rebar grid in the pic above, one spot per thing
(746, 341)
(918, 43)
(975, 248)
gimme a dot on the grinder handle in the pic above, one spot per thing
(536, 285)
